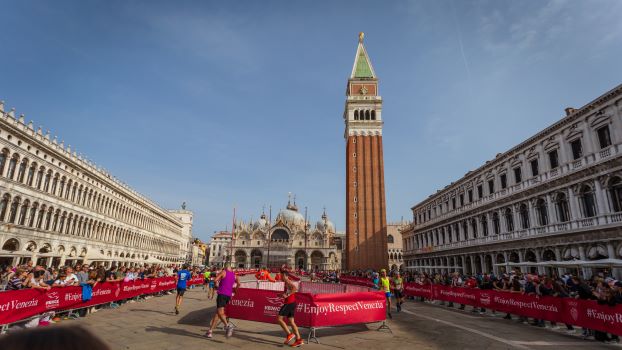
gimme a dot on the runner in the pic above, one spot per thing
(398, 290)
(212, 283)
(226, 279)
(288, 309)
(385, 286)
(206, 274)
(182, 277)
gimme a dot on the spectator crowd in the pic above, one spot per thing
(601, 287)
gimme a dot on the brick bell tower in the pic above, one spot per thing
(366, 223)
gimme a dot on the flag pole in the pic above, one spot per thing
(232, 239)
(269, 239)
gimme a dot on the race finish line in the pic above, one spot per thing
(314, 309)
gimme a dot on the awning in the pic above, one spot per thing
(6, 253)
(94, 255)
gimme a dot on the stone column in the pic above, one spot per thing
(551, 209)
(482, 262)
(530, 211)
(572, 200)
(539, 259)
(601, 198)
(517, 221)
(558, 257)
(473, 269)
(503, 227)
(587, 272)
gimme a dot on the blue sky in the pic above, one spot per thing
(224, 104)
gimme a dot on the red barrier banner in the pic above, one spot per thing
(361, 281)
(20, 304)
(319, 310)
(582, 313)
(327, 310)
(418, 290)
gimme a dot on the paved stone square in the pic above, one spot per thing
(152, 325)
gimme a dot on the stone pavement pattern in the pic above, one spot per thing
(153, 325)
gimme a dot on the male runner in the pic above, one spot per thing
(227, 279)
(206, 274)
(212, 284)
(398, 290)
(385, 286)
(182, 277)
(288, 309)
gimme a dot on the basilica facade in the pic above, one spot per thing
(57, 208)
(288, 239)
(551, 204)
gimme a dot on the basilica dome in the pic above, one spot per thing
(291, 215)
(324, 224)
(261, 223)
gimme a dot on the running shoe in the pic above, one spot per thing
(208, 334)
(289, 338)
(229, 331)
(176, 310)
(298, 343)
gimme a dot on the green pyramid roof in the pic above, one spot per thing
(362, 70)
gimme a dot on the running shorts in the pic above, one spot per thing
(288, 310)
(222, 300)
(397, 293)
(181, 291)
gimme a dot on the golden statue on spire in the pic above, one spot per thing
(361, 36)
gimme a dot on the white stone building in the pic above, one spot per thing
(219, 249)
(186, 253)
(395, 245)
(57, 208)
(289, 239)
(556, 197)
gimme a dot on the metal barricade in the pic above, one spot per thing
(321, 288)
(263, 285)
(352, 288)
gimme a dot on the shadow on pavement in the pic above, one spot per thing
(177, 331)
(200, 317)
(170, 313)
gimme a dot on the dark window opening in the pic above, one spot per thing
(577, 149)
(604, 138)
(518, 176)
(553, 159)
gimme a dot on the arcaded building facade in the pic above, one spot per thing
(366, 223)
(556, 197)
(58, 208)
(288, 239)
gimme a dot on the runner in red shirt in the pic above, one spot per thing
(288, 309)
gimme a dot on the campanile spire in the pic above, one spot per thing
(366, 238)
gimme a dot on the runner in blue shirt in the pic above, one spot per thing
(182, 277)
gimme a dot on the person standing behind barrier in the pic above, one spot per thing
(385, 286)
(182, 278)
(225, 279)
(288, 309)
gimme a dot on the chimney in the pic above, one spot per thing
(569, 111)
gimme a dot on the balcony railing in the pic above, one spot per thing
(534, 232)
(542, 178)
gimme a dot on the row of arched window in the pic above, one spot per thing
(518, 217)
(20, 169)
(364, 114)
(395, 256)
(531, 167)
(45, 217)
